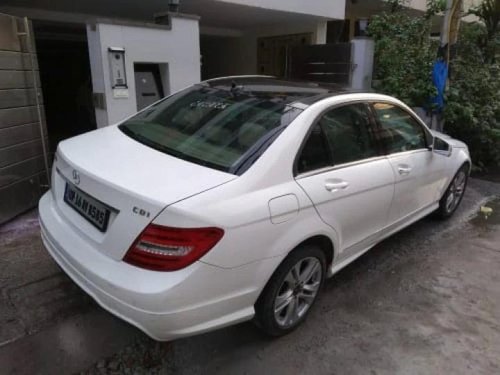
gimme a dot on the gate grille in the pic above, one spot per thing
(328, 63)
(23, 163)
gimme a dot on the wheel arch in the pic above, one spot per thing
(455, 171)
(324, 243)
(469, 165)
(463, 158)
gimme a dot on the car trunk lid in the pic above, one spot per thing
(135, 182)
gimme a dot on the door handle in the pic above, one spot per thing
(404, 169)
(336, 185)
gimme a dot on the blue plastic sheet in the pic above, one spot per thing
(439, 76)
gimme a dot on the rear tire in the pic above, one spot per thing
(291, 292)
(454, 193)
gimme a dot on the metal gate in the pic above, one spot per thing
(329, 63)
(272, 52)
(24, 171)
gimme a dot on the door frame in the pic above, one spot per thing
(364, 244)
(376, 139)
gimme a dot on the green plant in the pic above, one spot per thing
(472, 111)
(404, 55)
(435, 7)
(488, 11)
(395, 5)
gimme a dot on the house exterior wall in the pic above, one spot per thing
(178, 47)
(366, 10)
(418, 4)
(323, 8)
(470, 4)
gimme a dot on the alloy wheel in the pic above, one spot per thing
(298, 291)
(456, 191)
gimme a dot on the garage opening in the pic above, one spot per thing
(273, 52)
(65, 79)
(216, 56)
(227, 55)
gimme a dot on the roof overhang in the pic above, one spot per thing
(226, 14)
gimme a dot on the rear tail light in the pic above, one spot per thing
(162, 248)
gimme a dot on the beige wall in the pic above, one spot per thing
(324, 8)
(468, 4)
(369, 8)
(418, 4)
(421, 4)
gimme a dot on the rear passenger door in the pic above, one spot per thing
(346, 175)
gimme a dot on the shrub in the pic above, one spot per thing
(404, 55)
(472, 111)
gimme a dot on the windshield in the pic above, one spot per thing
(219, 128)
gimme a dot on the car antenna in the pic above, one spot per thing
(235, 89)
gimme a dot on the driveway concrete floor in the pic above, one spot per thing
(425, 301)
(47, 324)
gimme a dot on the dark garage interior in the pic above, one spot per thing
(65, 79)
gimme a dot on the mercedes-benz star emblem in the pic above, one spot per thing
(76, 177)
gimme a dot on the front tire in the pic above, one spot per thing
(454, 194)
(292, 290)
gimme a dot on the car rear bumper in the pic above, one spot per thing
(165, 305)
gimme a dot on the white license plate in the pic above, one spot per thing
(95, 212)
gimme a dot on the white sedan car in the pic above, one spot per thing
(235, 198)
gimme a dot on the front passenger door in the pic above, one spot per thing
(346, 176)
(418, 172)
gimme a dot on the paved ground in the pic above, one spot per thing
(425, 301)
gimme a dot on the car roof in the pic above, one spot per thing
(287, 90)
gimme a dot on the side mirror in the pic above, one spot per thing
(440, 146)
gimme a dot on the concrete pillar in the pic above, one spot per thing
(362, 59)
(175, 48)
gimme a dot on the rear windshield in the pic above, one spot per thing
(218, 128)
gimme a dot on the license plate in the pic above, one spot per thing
(95, 212)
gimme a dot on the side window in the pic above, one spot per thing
(349, 132)
(399, 130)
(314, 154)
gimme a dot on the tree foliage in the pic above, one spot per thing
(488, 11)
(404, 56)
(472, 111)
